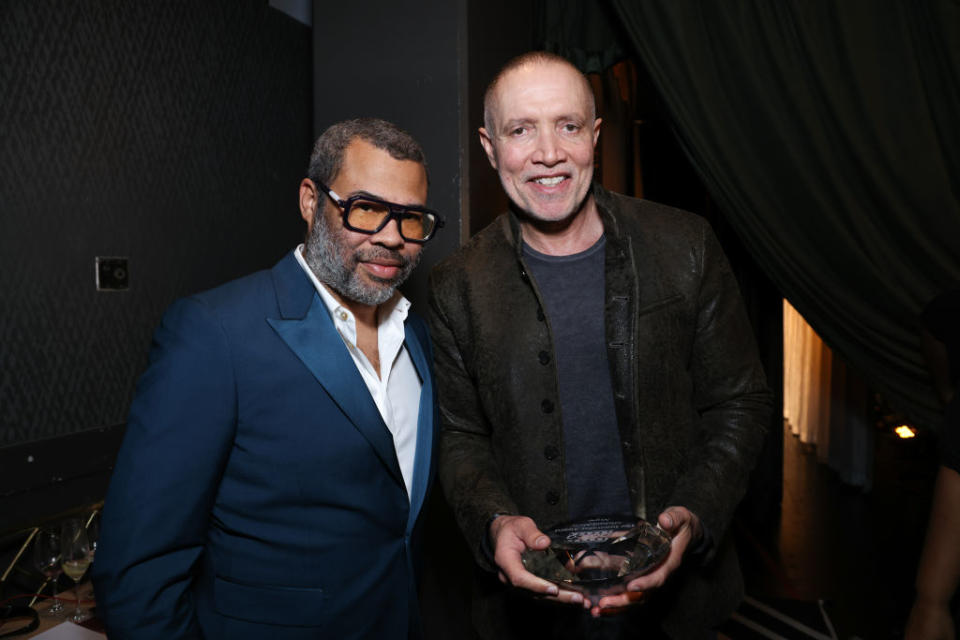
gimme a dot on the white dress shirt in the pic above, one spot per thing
(396, 391)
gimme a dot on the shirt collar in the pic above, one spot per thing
(392, 313)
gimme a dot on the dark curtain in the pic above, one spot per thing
(828, 134)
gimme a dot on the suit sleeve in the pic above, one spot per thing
(157, 511)
(730, 395)
(468, 471)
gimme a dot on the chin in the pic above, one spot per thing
(553, 214)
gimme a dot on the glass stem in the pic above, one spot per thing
(76, 592)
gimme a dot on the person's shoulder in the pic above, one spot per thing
(490, 246)
(230, 299)
(236, 292)
(652, 217)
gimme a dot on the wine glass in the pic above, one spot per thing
(75, 558)
(93, 532)
(46, 557)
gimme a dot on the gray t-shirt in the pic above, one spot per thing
(572, 288)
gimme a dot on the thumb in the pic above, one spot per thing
(670, 519)
(532, 536)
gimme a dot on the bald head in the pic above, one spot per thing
(545, 59)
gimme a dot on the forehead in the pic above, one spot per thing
(542, 88)
(368, 168)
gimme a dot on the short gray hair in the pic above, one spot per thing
(327, 157)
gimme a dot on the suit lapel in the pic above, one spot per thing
(425, 427)
(314, 339)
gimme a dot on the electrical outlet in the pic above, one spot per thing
(112, 274)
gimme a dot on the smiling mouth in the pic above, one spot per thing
(551, 181)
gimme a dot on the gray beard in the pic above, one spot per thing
(336, 266)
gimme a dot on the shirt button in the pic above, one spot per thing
(552, 497)
(544, 357)
(344, 316)
(546, 406)
(550, 452)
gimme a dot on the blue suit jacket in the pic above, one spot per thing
(257, 493)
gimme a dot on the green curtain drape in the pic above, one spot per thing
(829, 134)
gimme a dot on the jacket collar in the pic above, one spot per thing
(294, 290)
(305, 325)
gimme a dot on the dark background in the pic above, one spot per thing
(172, 134)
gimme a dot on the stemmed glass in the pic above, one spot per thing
(93, 532)
(75, 558)
(46, 557)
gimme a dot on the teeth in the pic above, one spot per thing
(550, 181)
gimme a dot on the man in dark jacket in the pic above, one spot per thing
(593, 357)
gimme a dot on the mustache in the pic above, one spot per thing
(381, 253)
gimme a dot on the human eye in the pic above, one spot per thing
(572, 127)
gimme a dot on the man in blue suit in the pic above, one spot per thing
(279, 449)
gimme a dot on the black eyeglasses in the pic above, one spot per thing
(367, 214)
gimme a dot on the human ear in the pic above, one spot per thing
(488, 147)
(308, 202)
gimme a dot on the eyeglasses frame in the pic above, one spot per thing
(397, 211)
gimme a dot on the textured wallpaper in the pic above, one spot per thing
(172, 133)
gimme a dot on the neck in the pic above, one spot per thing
(566, 237)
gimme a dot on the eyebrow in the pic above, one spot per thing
(510, 124)
(367, 194)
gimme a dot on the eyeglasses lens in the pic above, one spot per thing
(368, 215)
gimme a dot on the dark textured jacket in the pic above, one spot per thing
(690, 394)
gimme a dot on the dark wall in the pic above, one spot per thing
(171, 133)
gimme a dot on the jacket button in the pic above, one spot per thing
(546, 406)
(627, 445)
(544, 357)
(552, 497)
(523, 275)
(550, 452)
(540, 316)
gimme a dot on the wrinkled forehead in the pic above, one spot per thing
(535, 83)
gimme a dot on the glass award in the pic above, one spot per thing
(598, 556)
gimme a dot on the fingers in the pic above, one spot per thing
(673, 519)
(511, 536)
(609, 605)
(683, 527)
(520, 527)
(654, 579)
(569, 597)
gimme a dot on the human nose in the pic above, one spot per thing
(549, 150)
(389, 235)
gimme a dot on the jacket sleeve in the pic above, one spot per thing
(157, 511)
(730, 395)
(468, 471)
